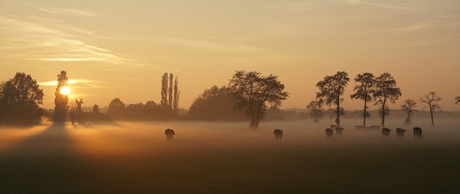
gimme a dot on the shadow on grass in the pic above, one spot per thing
(44, 163)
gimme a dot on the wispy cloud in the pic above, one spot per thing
(70, 12)
(384, 6)
(80, 83)
(48, 41)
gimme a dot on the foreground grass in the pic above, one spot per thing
(52, 163)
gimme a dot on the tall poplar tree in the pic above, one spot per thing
(60, 100)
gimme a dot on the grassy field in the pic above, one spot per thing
(211, 157)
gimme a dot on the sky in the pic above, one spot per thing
(120, 49)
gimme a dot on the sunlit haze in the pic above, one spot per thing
(120, 49)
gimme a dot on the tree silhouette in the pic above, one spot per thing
(431, 99)
(170, 94)
(409, 108)
(364, 91)
(331, 90)
(164, 89)
(116, 108)
(170, 91)
(215, 104)
(315, 111)
(19, 100)
(252, 92)
(385, 92)
(60, 100)
(176, 96)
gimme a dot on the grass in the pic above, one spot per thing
(214, 158)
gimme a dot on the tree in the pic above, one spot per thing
(116, 108)
(431, 99)
(19, 100)
(164, 89)
(252, 92)
(170, 94)
(316, 112)
(176, 96)
(330, 91)
(364, 91)
(60, 100)
(215, 104)
(385, 92)
(170, 91)
(409, 108)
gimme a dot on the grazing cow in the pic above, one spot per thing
(418, 132)
(329, 132)
(169, 134)
(339, 130)
(400, 132)
(278, 134)
(386, 132)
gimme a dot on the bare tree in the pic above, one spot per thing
(316, 112)
(364, 91)
(431, 99)
(331, 90)
(385, 92)
(409, 108)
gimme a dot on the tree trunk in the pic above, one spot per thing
(364, 113)
(432, 118)
(337, 120)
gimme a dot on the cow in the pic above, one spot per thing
(169, 134)
(339, 130)
(386, 132)
(329, 132)
(418, 132)
(278, 134)
(400, 132)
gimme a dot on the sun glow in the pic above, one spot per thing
(65, 90)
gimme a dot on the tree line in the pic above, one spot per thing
(247, 96)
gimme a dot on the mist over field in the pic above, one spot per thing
(228, 157)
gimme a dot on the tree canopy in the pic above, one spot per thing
(431, 100)
(385, 92)
(331, 88)
(253, 92)
(19, 100)
(409, 108)
(215, 104)
(363, 91)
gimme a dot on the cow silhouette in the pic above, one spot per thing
(400, 132)
(169, 133)
(329, 132)
(386, 132)
(339, 130)
(278, 134)
(418, 132)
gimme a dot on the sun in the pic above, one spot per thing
(65, 90)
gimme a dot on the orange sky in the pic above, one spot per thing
(120, 49)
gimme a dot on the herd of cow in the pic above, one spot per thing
(329, 132)
(400, 132)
